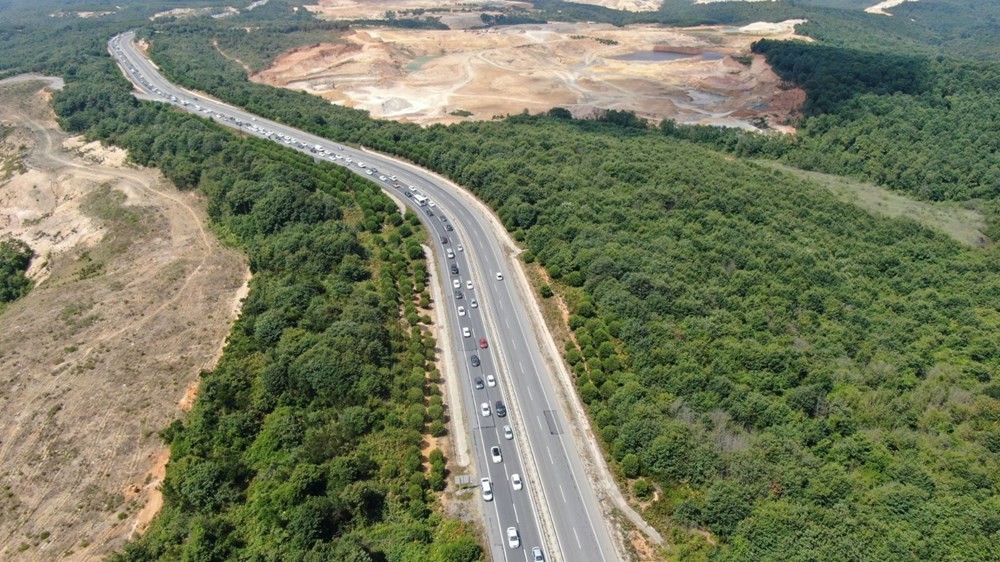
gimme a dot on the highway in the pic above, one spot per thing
(557, 508)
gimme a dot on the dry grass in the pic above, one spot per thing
(965, 225)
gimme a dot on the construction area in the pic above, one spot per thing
(702, 75)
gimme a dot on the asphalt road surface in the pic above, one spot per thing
(556, 509)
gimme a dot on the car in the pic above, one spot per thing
(487, 489)
(468, 284)
(461, 311)
(479, 383)
(515, 481)
(475, 360)
(499, 276)
(443, 218)
(369, 172)
(456, 283)
(513, 540)
(461, 248)
(393, 178)
(412, 188)
(448, 227)
(508, 433)
(484, 409)
(451, 253)
(458, 296)
(408, 194)
(465, 332)
(536, 555)
(381, 178)
(495, 452)
(474, 303)
(483, 343)
(454, 269)
(429, 212)
(432, 203)
(501, 409)
(444, 239)
(491, 380)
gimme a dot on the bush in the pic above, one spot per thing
(642, 489)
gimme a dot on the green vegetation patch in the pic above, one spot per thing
(15, 258)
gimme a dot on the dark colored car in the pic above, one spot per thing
(479, 383)
(475, 360)
(448, 227)
(444, 239)
(500, 409)
(454, 269)
(429, 212)
(458, 295)
(408, 194)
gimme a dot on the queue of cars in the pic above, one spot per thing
(199, 105)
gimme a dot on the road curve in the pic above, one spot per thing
(557, 509)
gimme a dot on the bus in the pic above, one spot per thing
(420, 199)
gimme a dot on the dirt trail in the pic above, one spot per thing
(134, 296)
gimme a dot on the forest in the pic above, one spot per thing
(802, 379)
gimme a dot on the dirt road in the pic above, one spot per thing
(134, 298)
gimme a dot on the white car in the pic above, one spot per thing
(431, 203)
(536, 555)
(513, 540)
(499, 276)
(381, 178)
(393, 178)
(474, 303)
(484, 410)
(466, 333)
(456, 283)
(460, 248)
(491, 380)
(450, 253)
(515, 481)
(487, 489)
(468, 284)
(494, 450)
(413, 188)
(461, 311)
(508, 433)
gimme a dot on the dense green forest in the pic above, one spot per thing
(804, 380)
(15, 257)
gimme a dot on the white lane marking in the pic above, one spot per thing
(577, 535)
(563, 493)
(530, 396)
(551, 460)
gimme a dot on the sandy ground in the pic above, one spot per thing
(134, 298)
(376, 9)
(439, 76)
(881, 7)
(626, 5)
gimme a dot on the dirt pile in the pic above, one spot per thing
(448, 76)
(134, 298)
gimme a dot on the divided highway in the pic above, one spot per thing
(499, 360)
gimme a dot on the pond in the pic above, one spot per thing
(652, 56)
(418, 62)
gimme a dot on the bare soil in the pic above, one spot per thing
(134, 298)
(447, 76)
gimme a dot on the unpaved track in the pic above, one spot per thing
(93, 366)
